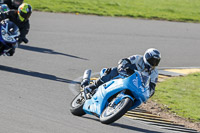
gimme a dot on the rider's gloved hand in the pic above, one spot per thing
(123, 64)
(129, 71)
(125, 67)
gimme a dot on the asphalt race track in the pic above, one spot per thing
(35, 88)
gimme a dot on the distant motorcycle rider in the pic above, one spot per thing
(21, 18)
(13, 4)
(146, 63)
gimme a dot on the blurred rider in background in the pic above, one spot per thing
(13, 4)
(127, 66)
(21, 18)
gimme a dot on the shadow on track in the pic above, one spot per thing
(47, 51)
(36, 74)
(134, 128)
(91, 118)
(124, 126)
(174, 127)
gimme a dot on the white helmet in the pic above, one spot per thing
(152, 57)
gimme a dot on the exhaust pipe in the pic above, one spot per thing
(86, 78)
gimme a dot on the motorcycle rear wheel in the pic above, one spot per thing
(77, 103)
(111, 114)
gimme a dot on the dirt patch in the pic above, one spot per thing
(163, 112)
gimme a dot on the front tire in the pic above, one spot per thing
(77, 103)
(111, 114)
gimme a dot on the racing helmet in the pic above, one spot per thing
(4, 8)
(151, 58)
(17, 3)
(24, 11)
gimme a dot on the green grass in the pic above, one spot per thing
(181, 95)
(173, 10)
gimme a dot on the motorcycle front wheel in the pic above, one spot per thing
(113, 113)
(77, 105)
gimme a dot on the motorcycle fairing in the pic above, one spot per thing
(98, 102)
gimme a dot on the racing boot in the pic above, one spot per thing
(90, 88)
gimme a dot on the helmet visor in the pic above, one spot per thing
(25, 15)
(153, 61)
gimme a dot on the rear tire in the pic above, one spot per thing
(111, 114)
(77, 103)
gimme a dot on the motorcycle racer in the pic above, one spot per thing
(21, 18)
(146, 63)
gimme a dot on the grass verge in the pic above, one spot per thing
(181, 96)
(173, 10)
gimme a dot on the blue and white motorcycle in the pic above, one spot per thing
(9, 35)
(113, 99)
